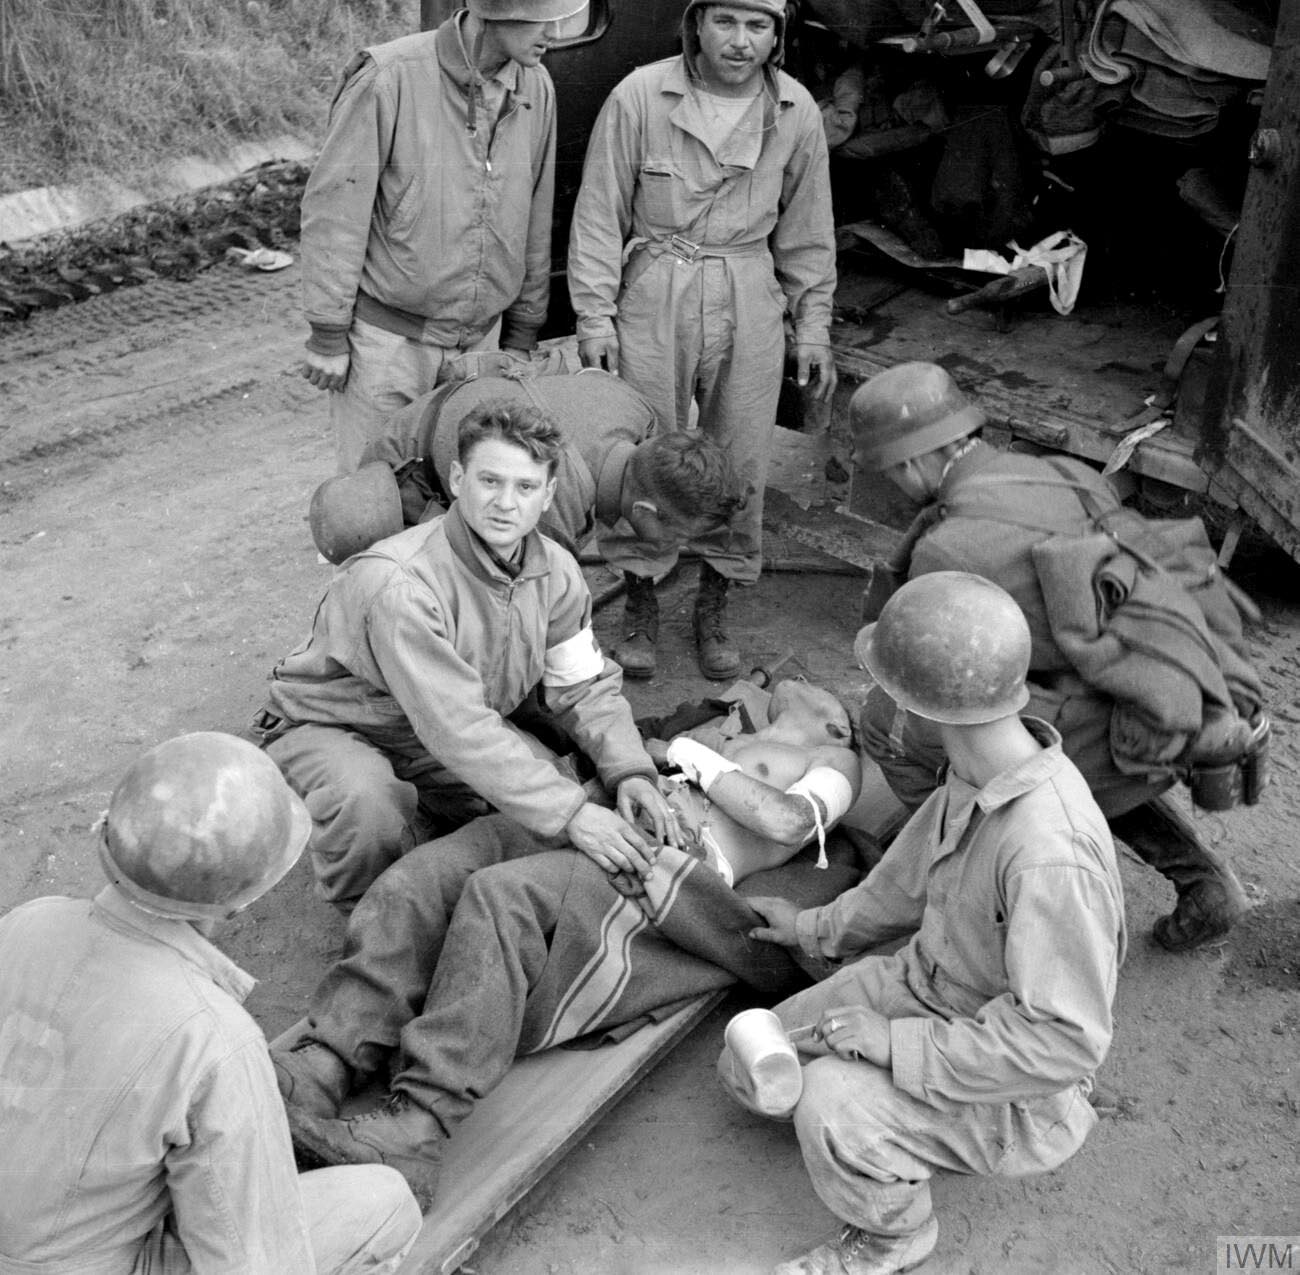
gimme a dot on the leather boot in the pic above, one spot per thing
(1210, 898)
(858, 1252)
(636, 652)
(719, 659)
(401, 1134)
(312, 1076)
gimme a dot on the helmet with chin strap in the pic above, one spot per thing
(524, 10)
(775, 9)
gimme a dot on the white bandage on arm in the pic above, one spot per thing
(578, 659)
(823, 786)
(700, 764)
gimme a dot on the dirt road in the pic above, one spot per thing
(156, 455)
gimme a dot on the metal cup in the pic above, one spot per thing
(765, 1060)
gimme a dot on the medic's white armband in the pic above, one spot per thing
(700, 764)
(576, 660)
(833, 790)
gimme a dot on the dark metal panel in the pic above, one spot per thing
(1251, 427)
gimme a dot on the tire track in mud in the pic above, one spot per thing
(165, 357)
(158, 302)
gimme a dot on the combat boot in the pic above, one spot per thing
(1210, 898)
(636, 652)
(859, 1252)
(312, 1076)
(400, 1134)
(719, 659)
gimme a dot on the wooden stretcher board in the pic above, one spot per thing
(525, 1126)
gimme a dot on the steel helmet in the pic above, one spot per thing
(200, 826)
(951, 647)
(775, 9)
(524, 10)
(349, 512)
(907, 411)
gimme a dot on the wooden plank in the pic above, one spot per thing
(545, 1104)
(525, 1126)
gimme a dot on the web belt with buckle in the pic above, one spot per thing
(685, 250)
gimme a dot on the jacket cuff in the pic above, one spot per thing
(328, 339)
(518, 336)
(806, 931)
(812, 333)
(906, 1051)
(557, 819)
(597, 326)
(611, 779)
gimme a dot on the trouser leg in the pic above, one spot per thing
(1083, 719)
(361, 1219)
(395, 938)
(860, 1139)
(385, 373)
(495, 951)
(1210, 898)
(738, 388)
(363, 815)
(870, 1147)
(659, 350)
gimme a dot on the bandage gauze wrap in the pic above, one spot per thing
(823, 786)
(700, 764)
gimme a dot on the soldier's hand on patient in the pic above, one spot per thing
(856, 1031)
(326, 371)
(779, 915)
(609, 841)
(642, 804)
(599, 351)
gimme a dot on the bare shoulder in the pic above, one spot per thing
(843, 760)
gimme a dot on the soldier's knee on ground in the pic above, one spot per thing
(358, 832)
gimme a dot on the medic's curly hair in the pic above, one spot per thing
(688, 476)
(522, 424)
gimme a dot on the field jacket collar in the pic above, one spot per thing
(686, 113)
(454, 54)
(120, 914)
(480, 560)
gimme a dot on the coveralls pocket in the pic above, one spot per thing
(776, 296)
(660, 187)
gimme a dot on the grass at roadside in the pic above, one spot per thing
(121, 87)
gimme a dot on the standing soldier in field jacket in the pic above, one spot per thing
(427, 219)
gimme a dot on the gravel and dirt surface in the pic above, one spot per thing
(157, 451)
